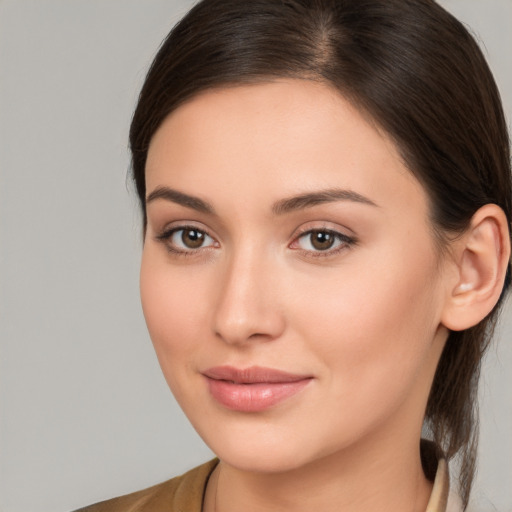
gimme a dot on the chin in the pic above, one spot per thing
(261, 460)
(260, 447)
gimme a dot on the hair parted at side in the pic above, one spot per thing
(417, 72)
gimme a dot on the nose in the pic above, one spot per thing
(248, 306)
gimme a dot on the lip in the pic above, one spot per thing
(253, 389)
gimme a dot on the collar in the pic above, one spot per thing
(435, 467)
(438, 501)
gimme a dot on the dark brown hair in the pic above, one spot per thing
(417, 72)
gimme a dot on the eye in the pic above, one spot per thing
(322, 240)
(186, 239)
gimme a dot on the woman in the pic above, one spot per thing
(326, 195)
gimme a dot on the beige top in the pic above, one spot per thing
(185, 494)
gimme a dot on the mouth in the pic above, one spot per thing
(253, 389)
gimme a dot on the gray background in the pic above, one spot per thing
(85, 413)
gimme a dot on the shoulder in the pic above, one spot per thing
(184, 492)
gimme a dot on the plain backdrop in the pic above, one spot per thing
(85, 412)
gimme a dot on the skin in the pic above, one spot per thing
(364, 318)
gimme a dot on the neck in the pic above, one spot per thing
(354, 480)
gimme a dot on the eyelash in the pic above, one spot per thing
(344, 241)
(166, 236)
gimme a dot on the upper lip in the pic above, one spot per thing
(252, 375)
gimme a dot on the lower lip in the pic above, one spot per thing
(253, 397)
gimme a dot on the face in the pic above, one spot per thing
(290, 280)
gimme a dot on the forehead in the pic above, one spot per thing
(276, 139)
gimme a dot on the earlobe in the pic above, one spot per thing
(481, 256)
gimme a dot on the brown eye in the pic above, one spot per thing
(322, 240)
(187, 239)
(192, 238)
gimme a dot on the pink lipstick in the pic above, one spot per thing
(252, 389)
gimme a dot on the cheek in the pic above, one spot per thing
(175, 310)
(372, 325)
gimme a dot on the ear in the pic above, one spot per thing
(481, 257)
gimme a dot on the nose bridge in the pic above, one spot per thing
(246, 307)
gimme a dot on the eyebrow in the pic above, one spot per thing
(283, 206)
(310, 199)
(169, 194)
